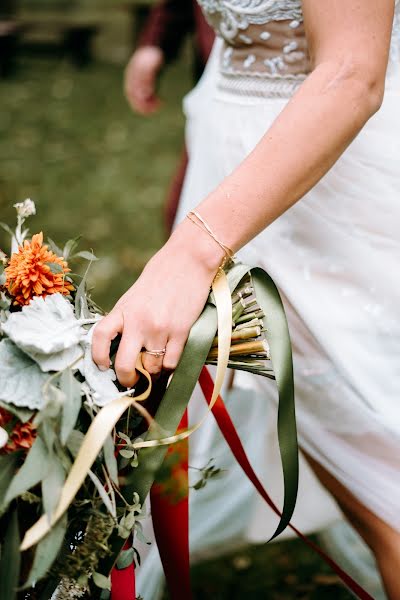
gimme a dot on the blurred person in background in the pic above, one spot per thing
(169, 23)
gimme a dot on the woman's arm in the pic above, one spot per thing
(349, 42)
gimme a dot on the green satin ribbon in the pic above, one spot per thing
(177, 395)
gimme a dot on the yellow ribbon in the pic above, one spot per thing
(107, 418)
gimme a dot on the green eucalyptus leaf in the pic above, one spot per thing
(10, 560)
(3, 277)
(53, 246)
(87, 255)
(70, 247)
(126, 558)
(75, 441)
(52, 485)
(129, 521)
(7, 229)
(81, 305)
(105, 595)
(8, 468)
(55, 268)
(48, 427)
(110, 460)
(72, 404)
(101, 581)
(32, 472)
(127, 453)
(5, 301)
(47, 551)
(123, 531)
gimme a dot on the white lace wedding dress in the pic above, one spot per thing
(335, 257)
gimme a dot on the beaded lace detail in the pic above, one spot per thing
(230, 17)
(264, 41)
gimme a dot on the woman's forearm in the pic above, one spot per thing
(307, 138)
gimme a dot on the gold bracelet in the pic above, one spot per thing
(200, 222)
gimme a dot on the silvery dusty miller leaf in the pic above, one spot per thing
(47, 331)
(46, 325)
(21, 380)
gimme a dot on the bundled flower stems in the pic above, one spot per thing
(249, 349)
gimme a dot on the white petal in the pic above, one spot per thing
(3, 437)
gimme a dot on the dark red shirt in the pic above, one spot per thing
(168, 24)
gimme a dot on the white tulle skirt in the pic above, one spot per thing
(335, 256)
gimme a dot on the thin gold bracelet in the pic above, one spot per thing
(198, 220)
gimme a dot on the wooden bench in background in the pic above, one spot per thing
(63, 28)
(58, 33)
(66, 36)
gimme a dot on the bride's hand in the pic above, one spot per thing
(159, 310)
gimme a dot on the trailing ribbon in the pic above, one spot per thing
(171, 520)
(232, 438)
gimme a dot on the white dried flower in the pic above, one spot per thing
(26, 208)
(3, 437)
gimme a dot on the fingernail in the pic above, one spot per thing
(103, 368)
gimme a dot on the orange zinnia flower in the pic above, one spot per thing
(21, 436)
(36, 271)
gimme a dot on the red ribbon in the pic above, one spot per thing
(171, 528)
(171, 521)
(123, 581)
(230, 434)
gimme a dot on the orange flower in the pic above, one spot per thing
(22, 435)
(21, 438)
(36, 271)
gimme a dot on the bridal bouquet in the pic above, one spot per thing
(53, 417)
(50, 392)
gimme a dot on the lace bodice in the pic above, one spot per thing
(265, 39)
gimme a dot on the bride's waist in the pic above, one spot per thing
(257, 85)
(270, 60)
(234, 83)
